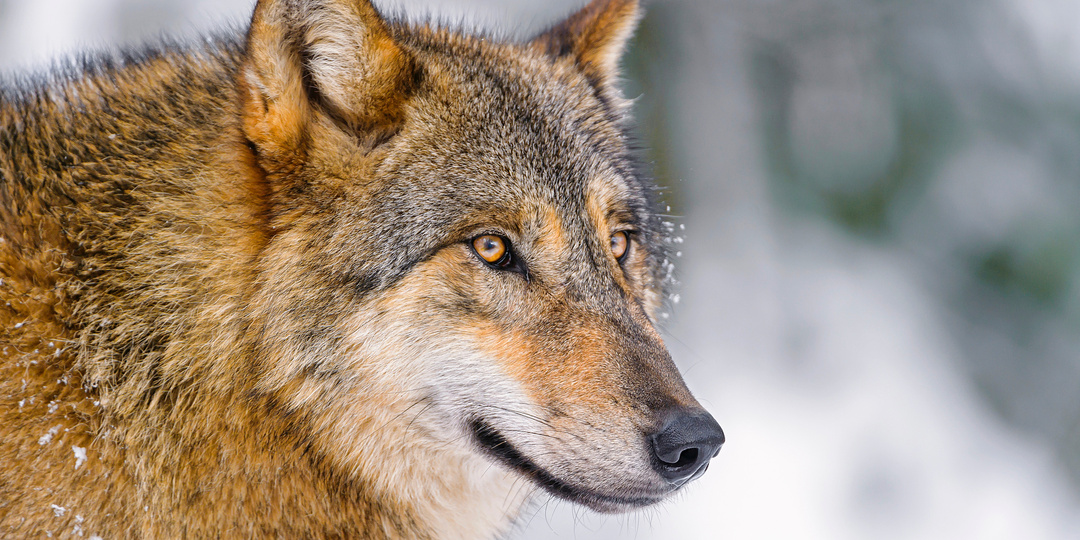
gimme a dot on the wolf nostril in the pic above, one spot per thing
(685, 444)
(687, 457)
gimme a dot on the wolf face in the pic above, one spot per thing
(459, 236)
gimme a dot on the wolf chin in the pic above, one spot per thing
(337, 277)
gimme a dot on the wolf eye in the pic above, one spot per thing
(494, 250)
(620, 242)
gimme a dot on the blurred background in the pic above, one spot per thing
(877, 209)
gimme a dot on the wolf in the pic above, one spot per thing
(335, 276)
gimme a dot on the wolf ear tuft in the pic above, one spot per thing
(324, 56)
(595, 36)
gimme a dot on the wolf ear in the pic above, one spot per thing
(596, 37)
(331, 56)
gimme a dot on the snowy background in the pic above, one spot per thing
(879, 297)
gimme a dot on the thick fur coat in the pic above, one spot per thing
(241, 294)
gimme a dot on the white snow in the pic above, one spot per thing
(80, 455)
(48, 436)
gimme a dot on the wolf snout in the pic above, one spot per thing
(685, 443)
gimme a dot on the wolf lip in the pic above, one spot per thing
(496, 446)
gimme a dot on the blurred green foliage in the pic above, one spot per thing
(865, 109)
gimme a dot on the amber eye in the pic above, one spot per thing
(620, 241)
(492, 249)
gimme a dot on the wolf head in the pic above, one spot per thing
(461, 258)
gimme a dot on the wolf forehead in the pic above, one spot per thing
(495, 122)
(490, 136)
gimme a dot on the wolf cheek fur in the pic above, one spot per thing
(242, 293)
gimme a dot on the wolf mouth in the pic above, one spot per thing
(496, 446)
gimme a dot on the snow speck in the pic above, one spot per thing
(80, 457)
(53, 405)
(20, 325)
(21, 402)
(96, 537)
(58, 510)
(47, 438)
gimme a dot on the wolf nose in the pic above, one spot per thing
(685, 444)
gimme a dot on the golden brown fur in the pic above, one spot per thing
(238, 301)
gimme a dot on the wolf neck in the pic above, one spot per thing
(451, 491)
(156, 209)
(412, 486)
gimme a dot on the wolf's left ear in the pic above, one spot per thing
(306, 60)
(595, 37)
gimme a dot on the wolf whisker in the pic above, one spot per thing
(535, 419)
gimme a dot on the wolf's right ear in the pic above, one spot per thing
(333, 56)
(595, 37)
